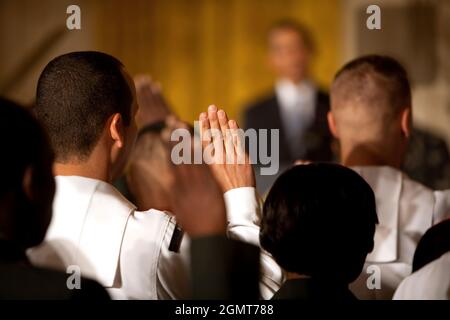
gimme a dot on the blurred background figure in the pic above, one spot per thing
(297, 107)
(145, 182)
(427, 159)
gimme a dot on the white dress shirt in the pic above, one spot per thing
(406, 210)
(431, 282)
(127, 251)
(297, 104)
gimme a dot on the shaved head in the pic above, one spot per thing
(368, 94)
(371, 110)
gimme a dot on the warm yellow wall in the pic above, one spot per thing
(203, 51)
(211, 51)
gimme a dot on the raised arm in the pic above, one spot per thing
(220, 268)
(222, 140)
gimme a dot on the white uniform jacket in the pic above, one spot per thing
(406, 210)
(97, 230)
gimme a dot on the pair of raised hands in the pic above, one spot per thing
(197, 189)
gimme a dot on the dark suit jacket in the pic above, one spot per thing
(310, 289)
(265, 114)
(19, 280)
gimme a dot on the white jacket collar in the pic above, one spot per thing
(93, 214)
(386, 183)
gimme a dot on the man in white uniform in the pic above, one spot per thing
(87, 103)
(371, 117)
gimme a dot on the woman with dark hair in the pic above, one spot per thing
(318, 223)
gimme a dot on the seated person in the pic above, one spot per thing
(431, 265)
(315, 215)
(26, 195)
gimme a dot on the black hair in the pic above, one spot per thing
(434, 243)
(76, 94)
(23, 144)
(317, 214)
(26, 150)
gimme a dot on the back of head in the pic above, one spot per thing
(367, 96)
(319, 213)
(26, 163)
(149, 172)
(76, 94)
(434, 243)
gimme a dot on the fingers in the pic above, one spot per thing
(149, 94)
(205, 134)
(172, 123)
(223, 121)
(143, 85)
(238, 141)
(216, 134)
(227, 137)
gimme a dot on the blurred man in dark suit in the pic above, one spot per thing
(297, 107)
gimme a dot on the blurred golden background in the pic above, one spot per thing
(214, 51)
(202, 51)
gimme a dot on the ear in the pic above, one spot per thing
(27, 181)
(116, 130)
(332, 125)
(406, 122)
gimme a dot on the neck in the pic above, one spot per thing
(88, 169)
(295, 81)
(369, 155)
(294, 275)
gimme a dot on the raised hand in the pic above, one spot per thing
(222, 141)
(152, 106)
(196, 198)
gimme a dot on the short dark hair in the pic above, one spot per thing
(391, 85)
(26, 147)
(299, 28)
(24, 144)
(318, 213)
(434, 243)
(76, 94)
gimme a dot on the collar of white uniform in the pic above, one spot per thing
(106, 216)
(387, 184)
